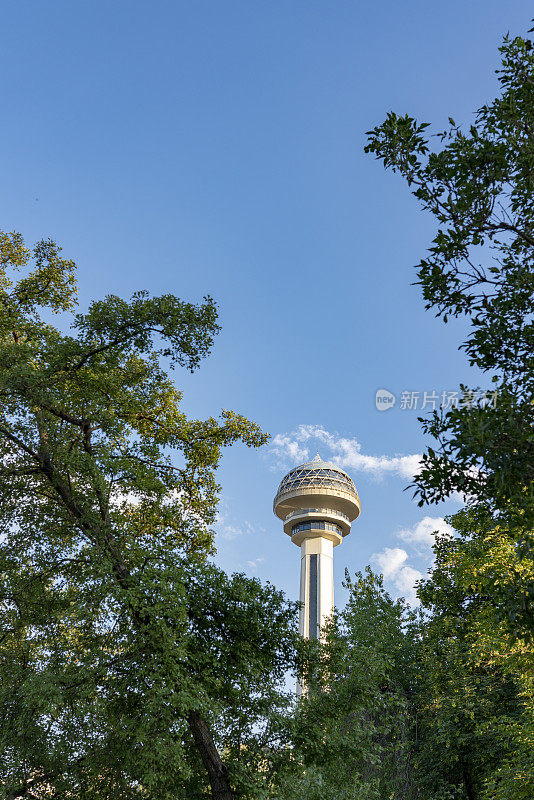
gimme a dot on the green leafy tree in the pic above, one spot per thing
(130, 667)
(478, 185)
(354, 727)
(476, 696)
(475, 700)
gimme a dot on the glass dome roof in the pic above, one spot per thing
(317, 474)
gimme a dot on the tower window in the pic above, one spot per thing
(312, 617)
(316, 525)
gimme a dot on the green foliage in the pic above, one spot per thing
(475, 709)
(130, 667)
(128, 664)
(476, 717)
(479, 187)
(86, 702)
(242, 648)
(353, 729)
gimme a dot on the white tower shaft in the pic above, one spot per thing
(316, 585)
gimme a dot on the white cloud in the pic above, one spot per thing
(390, 560)
(422, 535)
(229, 531)
(226, 528)
(291, 449)
(405, 582)
(286, 448)
(254, 564)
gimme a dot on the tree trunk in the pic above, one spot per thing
(215, 767)
(468, 783)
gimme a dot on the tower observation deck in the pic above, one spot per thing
(317, 502)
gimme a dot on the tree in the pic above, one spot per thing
(87, 710)
(478, 185)
(122, 650)
(353, 730)
(476, 698)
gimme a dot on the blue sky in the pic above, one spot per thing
(217, 147)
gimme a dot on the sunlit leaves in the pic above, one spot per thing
(107, 497)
